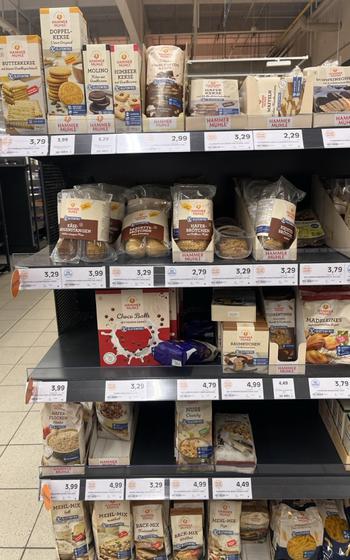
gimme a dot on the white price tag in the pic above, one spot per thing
(47, 391)
(103, 144)
(329, 387)
(84, 277)
(278, 139)
(336, 137)
(188, 276)
(242, 389)
(153, 142)
(228, 140)
(322, 274)
(232, 275)
(104, 489)
(197, 389)
(40, 278)
(276, 274)
(145, 489)
(189, 489)
(232, 489)
(135, 276)
(23, 146)
(127, 391)
(63, 490)
(283, 388)
(62, 145)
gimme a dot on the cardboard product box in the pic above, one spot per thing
(174, 310)
(346, 433)
(245, 347)
(67, 124)
(100, 124)
(64, 32)
(105, 451)
(126, 81)
(130, 323)
(22, 79)
(216, 122)
(98, 79)
(343, 409)
(233, 305)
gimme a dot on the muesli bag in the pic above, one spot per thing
(336, 539)
(63, 434)
(151, 533)
(187, 533)
(224, 541)
(72, 530)
(115, 418)
(113, 530)
(194, 441)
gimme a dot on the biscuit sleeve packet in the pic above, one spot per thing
(187, 533)
(336, 539)
(113, 529)
(72, 530)
(224, 542)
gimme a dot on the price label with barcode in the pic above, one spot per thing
(276, 275)
(235, 140)
(232, 275)
(197, 389)
(242, 389)
(153, 142)
(103, 144)
(47, 391)
(39, 278)
(336, 137)
(23, 146)
(283, 388)
(188, 276)
(63, 490)
(124, 390)
(63, 145)
(329, 387)
(135, 276)
(84, 277)
(189, 489)
(319, 274)
(145, 489)
(104, 489)
(278, 139)
(232, 489)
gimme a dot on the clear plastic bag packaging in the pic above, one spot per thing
(67, 249)
(118, 203)
(231, 241)
(145, 230)
(339, 190)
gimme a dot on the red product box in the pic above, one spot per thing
(130, 323)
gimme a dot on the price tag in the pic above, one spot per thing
(47, 391)
(336, 137)
(135, 276)
(104, 489)
(232, 275)
(145, 489)
(232, 489)
(103, 144)
(23, 146)
(62, 145)
(322, 274)
(234, 140)
(153, 142)
(188, 276)
(63, 490)
(276, 275)
(329, 387)
(40, 278)
(242, 389)
(84, 277)
(197, 389)
(127, 391)
(283, 388)
(189, 489)
(278, 139)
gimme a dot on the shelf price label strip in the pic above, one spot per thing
(145, 489)
(197, 389)
(232, 489)
(329, 387)
(188, 489)
(153, 142)
(320, 274)
(46, 391)
(127, 391)
(104, 489)
(59, 490)
(39, 278)
(23, 146)
(85, 277)
(135, 276)
(278, 139)
(235, 140)
(242, 389)
(62, 145)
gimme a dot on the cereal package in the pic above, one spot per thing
(63, 434)
(113, 530)
(187, 533)
(115, 418)
(72, 530)
(194, 444)
(336, 539)
(151, 534)
(224, 542)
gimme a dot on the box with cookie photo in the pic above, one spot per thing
(64, 32)
(126, 82)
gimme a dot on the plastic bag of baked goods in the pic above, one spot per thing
(187, 533)
(151, 532)
(145, 230)
(231, 241)
(63, 434)
(336, 539)
(224, 542)
(193, 439)
(164, 81)
(234, 443)
(255, 521)
(113, 529)
(67, 248)
(72, 530)
(115, 418)
(193, 216)
(118, 202)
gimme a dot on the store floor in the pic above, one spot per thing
(27, 330)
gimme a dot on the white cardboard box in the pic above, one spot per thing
(67, 124)
(109, 452)
(98, 79)
(217, 122)
(126, 82)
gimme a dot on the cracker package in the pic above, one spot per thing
(22, 79)
(214, 97)
(151, 533)
(115, 418)
(336, 539)
(164, 81)
(234, 443)
(113, 530)
(72, 530)
(63, 434)
(187, 533)
(255, 521)
(64, 32)
(126, 76)
(224, 542)
(193, 440)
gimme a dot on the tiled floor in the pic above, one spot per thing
(27, 330)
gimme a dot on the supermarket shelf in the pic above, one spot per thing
(296, 457)
(74, 358)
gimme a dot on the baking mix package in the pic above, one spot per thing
(130, 324)
(245, 346)
(126, 81)
(224, 540)
(151, 532)
(64, 32)
(98, 88)
(72, 530)
(187, 533)
(113, 529)
(22, 79)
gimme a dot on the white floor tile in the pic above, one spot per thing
(52, 326)
(13, 315)
(40, 314)
(46, 339)
(12, 399)
(11, 553)
(5, 325)
(26, 325)
(43, 554)
(17, 375)
(22, 508)
(29, 432)
(11, 355)
(33, 355)
(21, 305)
(19, 466)
(42, 535)
(4, 370)
(9, 422)
(17, 339)
(2, 449)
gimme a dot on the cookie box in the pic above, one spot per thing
(67, 124)
(216, 122)
(126, 81)
(98, 79)
(100, 124)
(245, 347)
